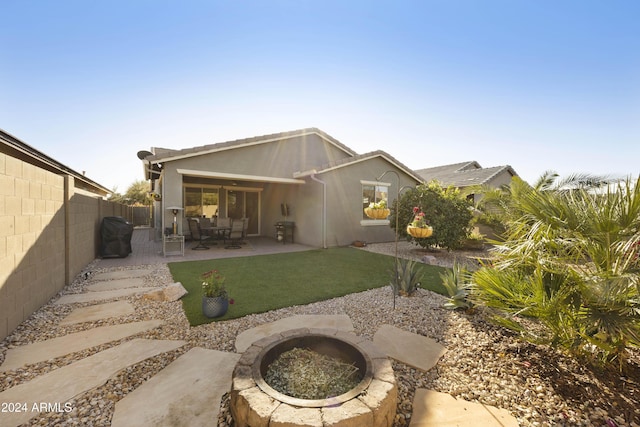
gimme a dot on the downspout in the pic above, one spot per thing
(324, 209)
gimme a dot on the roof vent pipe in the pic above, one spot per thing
(324, 209)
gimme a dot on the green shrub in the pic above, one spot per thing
(446, 210)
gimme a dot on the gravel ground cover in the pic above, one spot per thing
(483, 363)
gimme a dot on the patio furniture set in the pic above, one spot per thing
(232, 232)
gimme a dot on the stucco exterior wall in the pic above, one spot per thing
(344, 220)
(277, 159)
(263, 164)
(502, 178)
(344, 201)
(274, 159)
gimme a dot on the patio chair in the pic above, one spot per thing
(245, 227)
(205, 225)
(223, 223)
(235, 235)
(196, 235)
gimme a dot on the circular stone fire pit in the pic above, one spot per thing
(372, 402)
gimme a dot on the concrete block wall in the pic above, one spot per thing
(32, 239)
(82, 222)
(49, 232)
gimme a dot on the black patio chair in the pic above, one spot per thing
(235, 235)
(196, 235)
(245, 227)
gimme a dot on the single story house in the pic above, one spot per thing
(468, 174)
(304, 176)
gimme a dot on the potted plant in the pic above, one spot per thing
(215, 298)
(377, 210)
(419, 227)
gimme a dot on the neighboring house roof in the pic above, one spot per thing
(167, 155)
(463, 174)
(23, 151)
(360, 158)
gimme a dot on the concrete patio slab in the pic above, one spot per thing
(185, 393)
(412, 349)
(100, 296)
(120, 274)
(110, 285)
(432, 408)
(340, 322)
(56, 388)
(67, 344)
(98, 312)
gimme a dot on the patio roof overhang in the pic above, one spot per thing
(239, 177)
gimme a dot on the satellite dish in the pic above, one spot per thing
(143, 154)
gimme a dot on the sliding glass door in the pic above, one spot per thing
(245, 204)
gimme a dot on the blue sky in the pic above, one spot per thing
(538, 85)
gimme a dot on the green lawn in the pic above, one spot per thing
(266, 282)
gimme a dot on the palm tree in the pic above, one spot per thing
(569, 261)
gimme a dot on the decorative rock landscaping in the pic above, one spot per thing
(482, 365)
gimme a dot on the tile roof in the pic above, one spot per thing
(164, 154)
(463, 174)
(366, 156)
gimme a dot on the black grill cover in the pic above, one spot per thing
(115, 233)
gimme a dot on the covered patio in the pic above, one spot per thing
(148, 251)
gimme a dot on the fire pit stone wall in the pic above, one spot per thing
(375, 406)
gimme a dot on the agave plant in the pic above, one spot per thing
(405, 279)
(455, 282)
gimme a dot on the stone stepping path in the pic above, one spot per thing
(432, 408)
(63, 384)
(188, 391)
(340, 322)
(120, 274)
(71, 343)
(185, 393)
(110, 285)
(100, 296)
(411, 349)
(98, 312)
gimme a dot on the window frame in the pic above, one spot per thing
(200, 187)
(368, 222)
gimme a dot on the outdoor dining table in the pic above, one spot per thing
(215, 231)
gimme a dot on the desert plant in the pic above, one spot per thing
(405, 279)
(457, 285)
(570, 262)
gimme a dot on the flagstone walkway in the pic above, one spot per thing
(188, 391)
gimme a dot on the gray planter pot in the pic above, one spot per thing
(214, 306)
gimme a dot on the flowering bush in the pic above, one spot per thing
(447, 210)
(382, 204)
(419, 219)
(213, 284)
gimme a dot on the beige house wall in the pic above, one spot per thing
(49, 231)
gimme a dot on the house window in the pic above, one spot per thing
(373, 192)
(200, 201)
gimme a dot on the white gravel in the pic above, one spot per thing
(483, 363)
